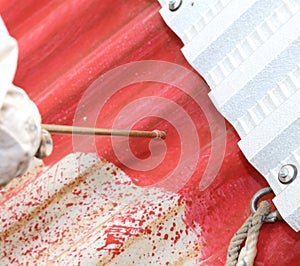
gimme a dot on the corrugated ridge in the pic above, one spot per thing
(250, 44)
(203, 20)
(268, 104)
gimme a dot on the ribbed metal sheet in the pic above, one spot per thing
(224, 40)
(64, 47)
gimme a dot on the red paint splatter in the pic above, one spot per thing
(77, 192)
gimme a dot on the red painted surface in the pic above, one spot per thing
(65, 45)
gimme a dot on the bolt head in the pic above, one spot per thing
(174, 4)
(287, 173)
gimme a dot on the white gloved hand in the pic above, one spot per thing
(20, 120)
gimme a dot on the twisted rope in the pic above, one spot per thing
(249, 231)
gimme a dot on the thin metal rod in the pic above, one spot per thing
(58, 129)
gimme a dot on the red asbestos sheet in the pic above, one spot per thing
(178, 202)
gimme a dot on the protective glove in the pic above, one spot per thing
(20, 120)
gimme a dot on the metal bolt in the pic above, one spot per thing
(174, 4)
(287, 173)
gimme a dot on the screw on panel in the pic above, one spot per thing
(287, 173)
(174, 5)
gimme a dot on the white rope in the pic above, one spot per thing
(249, 231)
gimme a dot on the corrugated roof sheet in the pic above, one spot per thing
(64, 47)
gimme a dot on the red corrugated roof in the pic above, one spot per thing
(66, 45)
